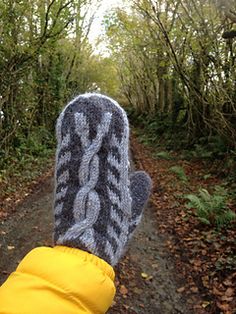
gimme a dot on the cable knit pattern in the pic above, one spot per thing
(93, 202)
(87, 199)
(120, 204)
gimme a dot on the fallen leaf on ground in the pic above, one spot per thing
(217, 292)
(10, 247)
(228, 282)
(226, 299)
(194, 289)
(144, 275)
(205, 304)
(229, 292)
(180, 290)
(123, 290)
(223, 306)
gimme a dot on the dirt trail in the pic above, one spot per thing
(31, 225)
(148, 275)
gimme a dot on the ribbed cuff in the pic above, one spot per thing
(88, 257)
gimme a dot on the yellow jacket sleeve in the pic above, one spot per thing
(58, 280)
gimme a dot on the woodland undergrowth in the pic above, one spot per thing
(195, 200)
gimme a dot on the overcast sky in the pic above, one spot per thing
(97, 28)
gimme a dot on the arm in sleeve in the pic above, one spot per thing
(58, 280)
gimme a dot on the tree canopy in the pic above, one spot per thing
(45, 60)
(176, 62)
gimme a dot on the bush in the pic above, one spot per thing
(212, 209)
(179, 171)
(36, 144)
(26, 158)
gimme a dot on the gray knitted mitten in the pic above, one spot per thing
(98, 203)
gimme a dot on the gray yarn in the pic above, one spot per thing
(97, 204)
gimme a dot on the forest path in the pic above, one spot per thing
(145, 276)
(31, 226)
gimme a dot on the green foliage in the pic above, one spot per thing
(163, 155)
(45, 60)
(155, 131)
(30, 155)
(36, 143)
(211, 209)
(179, 171)
(207, 176)
(183, 81)
(213, 147)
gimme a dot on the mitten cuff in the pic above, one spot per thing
(87, 257)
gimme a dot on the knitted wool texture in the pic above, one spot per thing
(97, 203)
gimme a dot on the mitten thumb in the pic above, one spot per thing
(140, 187)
